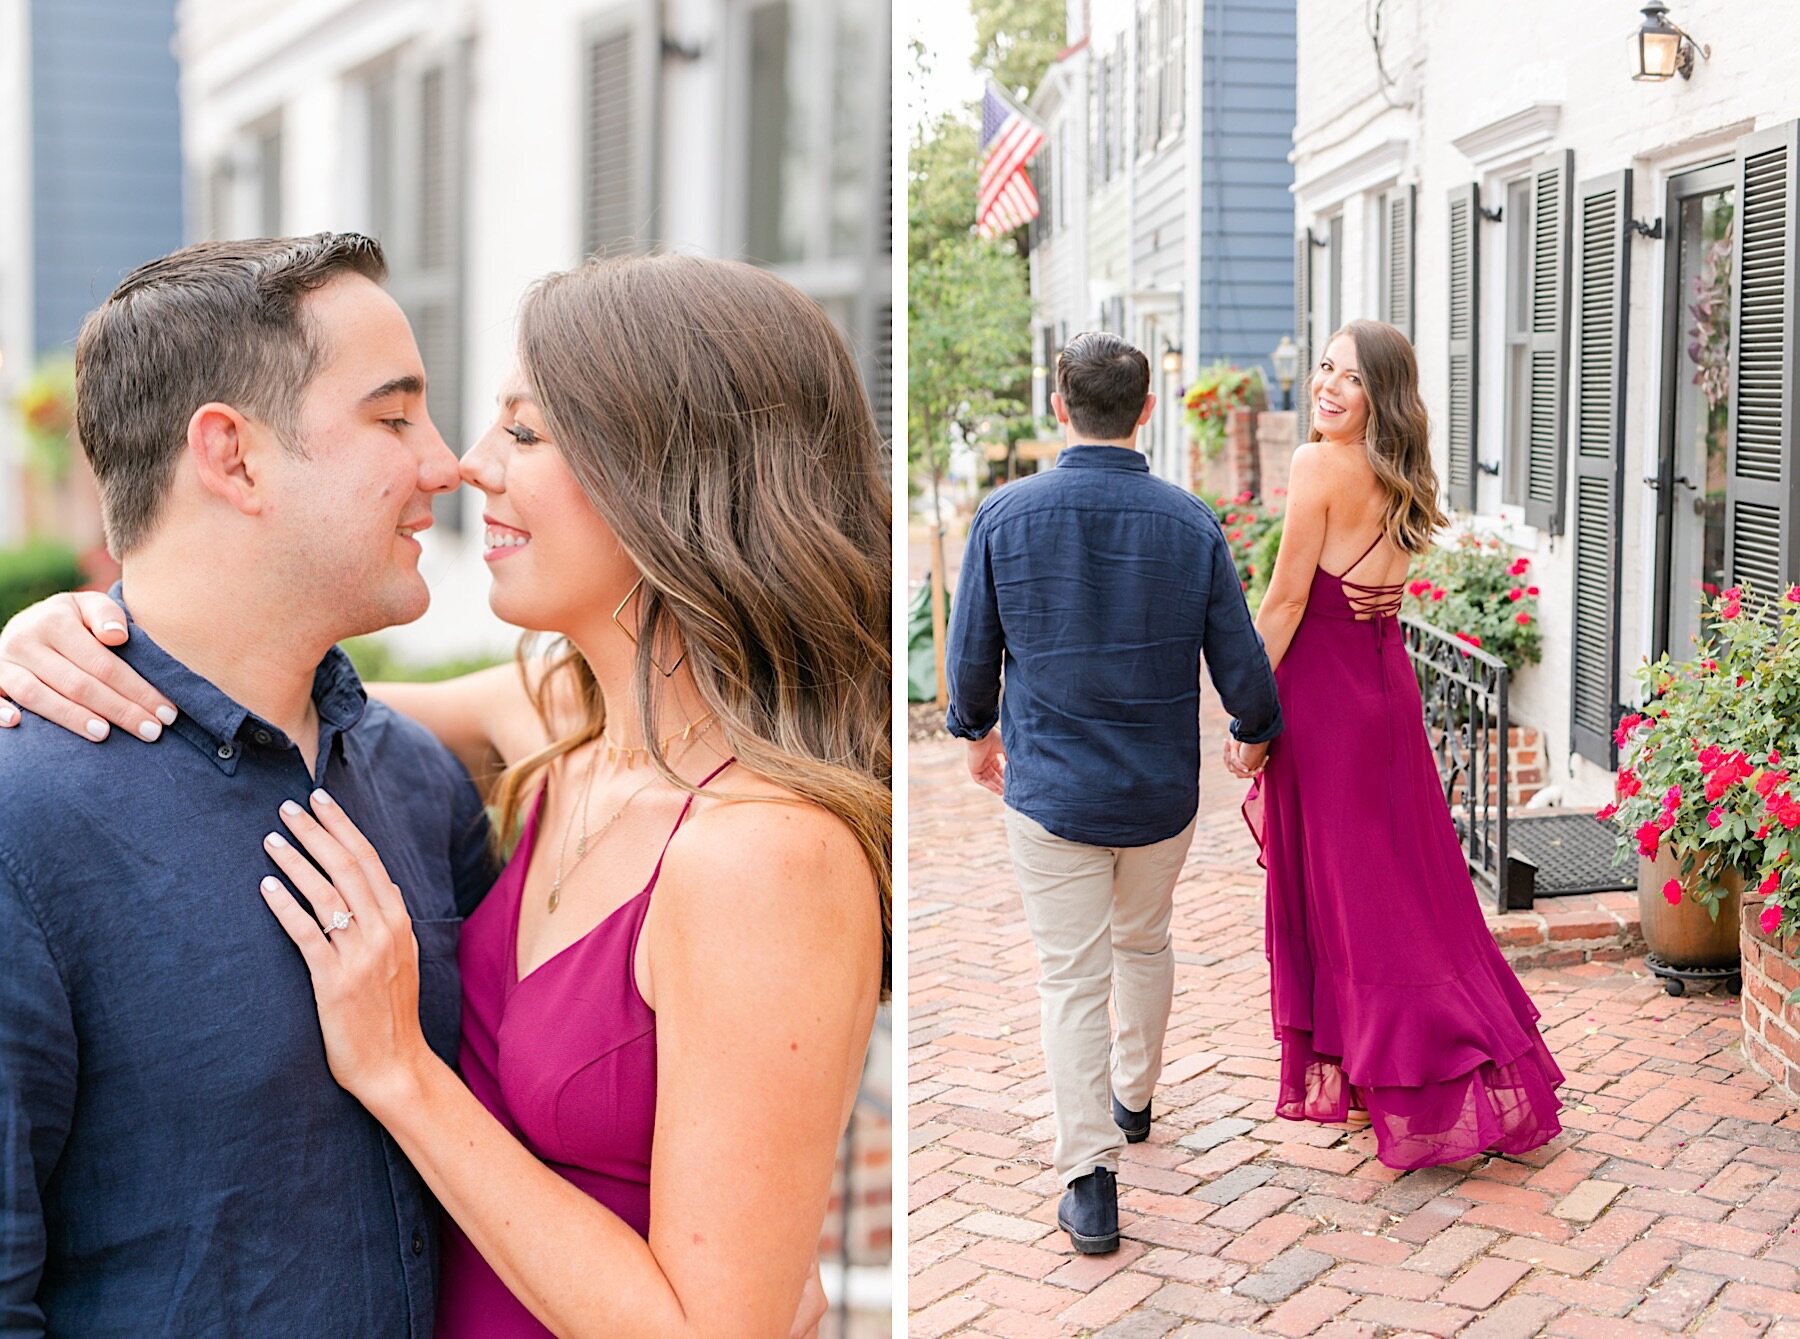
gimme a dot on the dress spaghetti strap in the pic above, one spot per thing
(1368, 602)
(682, 818)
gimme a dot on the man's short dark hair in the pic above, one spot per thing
(1103, 382)
(217, 321)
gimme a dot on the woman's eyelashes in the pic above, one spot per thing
(521, 434)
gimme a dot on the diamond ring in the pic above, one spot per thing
(340, 920)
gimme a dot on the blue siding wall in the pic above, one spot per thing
(1246, 208)
(106, 152)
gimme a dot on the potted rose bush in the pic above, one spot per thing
(1217, 391)
(1706, 793)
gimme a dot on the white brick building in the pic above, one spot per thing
(1474, 175)
(487, 143)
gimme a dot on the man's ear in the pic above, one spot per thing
(1149, 408)
(228, 451)
(1058, 408)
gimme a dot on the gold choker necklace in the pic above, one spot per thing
(640, 756)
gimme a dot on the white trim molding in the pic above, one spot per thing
(1329, 187)
(1509, 138)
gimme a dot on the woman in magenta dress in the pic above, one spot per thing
(1389, 997)
(669, 992)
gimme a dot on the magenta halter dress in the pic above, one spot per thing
(566, 1061)
(1385, 983)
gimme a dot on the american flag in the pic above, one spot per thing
(1005, 198)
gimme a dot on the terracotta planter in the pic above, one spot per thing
(1684, 936)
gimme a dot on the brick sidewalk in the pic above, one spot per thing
(1668, 1205)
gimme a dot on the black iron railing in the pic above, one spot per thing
(1464, 690)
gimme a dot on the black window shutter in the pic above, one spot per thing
(1760, 479)
(1602, 298)
(1397, 278)
(1465, 337)
(618, 179)
(1546, 462)
(1304, 359)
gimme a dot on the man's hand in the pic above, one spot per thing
(1245, 760)
(987, 762)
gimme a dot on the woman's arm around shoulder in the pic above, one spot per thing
(487, 718)
(765, 963)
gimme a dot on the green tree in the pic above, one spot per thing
(1016, 40)
(968, 320)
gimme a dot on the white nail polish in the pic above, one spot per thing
(96, 729)
(150, 732)
(7, 713)
(271, 885)
(274, 839)
(320, 797)
(112, 625)
(166, 715)
(289, 808)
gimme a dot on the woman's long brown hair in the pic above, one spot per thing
(716, 420)
(1397, 437)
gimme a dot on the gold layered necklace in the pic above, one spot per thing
(587, 841)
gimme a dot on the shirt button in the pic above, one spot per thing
(418, 1243)
(264, 737)
(227, 752)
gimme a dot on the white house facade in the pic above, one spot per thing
(489, 143)
(1599, 277)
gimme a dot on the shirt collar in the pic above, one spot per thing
(216, 724)
(1081, 456)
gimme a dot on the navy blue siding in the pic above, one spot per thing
(1246, 208)
(106, 176)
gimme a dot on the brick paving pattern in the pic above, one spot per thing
(1668, 1205)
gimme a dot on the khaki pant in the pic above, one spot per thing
(1100, 918)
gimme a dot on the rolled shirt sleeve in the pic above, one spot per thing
(1235, 658)
(975, 644)
(37, 1097)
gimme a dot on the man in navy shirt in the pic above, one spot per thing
(175, 1156)
(1094, 591)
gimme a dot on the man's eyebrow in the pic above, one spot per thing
(407, 385)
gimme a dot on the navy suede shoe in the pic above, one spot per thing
(1136, 1124)
(1089, 1212)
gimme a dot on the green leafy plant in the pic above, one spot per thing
(46, 405)
(1247, 524)
(34, 572)
(377, 661)
(1481, 592)
(1217, 391)
(1706, 761)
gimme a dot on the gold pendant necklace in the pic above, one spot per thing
(583, 845)
(637, 757)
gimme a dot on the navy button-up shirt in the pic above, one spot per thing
(175, 1156)
(1099, 587)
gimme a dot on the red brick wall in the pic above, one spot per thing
(1771, 1029)
(1524, 766)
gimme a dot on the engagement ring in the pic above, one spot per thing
(340, 920)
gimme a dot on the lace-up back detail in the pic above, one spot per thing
(1368, 602)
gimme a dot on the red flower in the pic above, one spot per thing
(1793, 594)
(1767, 782)
(1520, 567)
(1762, 830)
(1785, 810)
(1774, 756)
(1628, 783)
(1770, 920)
(1531, 590)
(1606, 812)
(1437, 593)
(1671, 798)
(1709, 665)
(1770, 884)
(1516, 594)
(1666, 819)
(1417, 588)
(1672, 892)
(1626, 725)
(1731, 609)
(1709, 588)
(1237, 534)
(1524, 620)
(1245, 496)
(1710, 757)
(1231, 518)
(1649, 836)
(1715, 817)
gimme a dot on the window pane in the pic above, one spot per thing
(851, 107)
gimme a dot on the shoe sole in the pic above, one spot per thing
(1136, 1136)
(1090, 1245)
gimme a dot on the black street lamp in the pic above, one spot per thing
(1286, 359)
(1660, 50)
